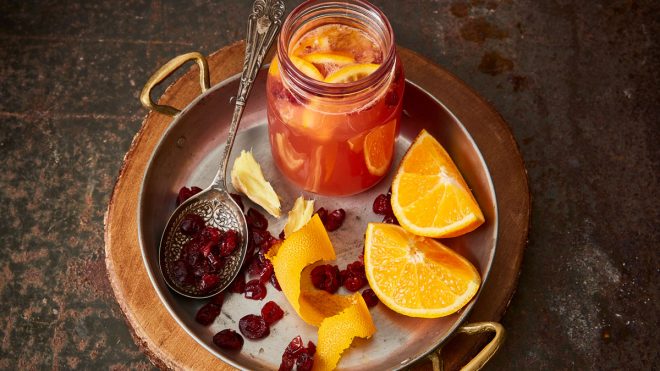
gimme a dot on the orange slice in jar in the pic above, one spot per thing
(307, 68)
(329, 58)
(328, 63)
(379, 148)
(291, 158)
(351, 73)
(274, 69)
(321, 166)
(318, 41)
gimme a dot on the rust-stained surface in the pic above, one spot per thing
(577, 82)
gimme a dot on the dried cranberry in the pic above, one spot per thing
(282, 235)
(192, 224)
(326, 277)
(275, 282)
(218, 299)
(390, 219)
(199, 265)
(296, 352)
(370, 297)
(201, 268)
(207, 313)
(190, 252)
(238, 285)
(335, 220)
(179, 273)
(266, 272)
(271, 312)
(205, 248)
(229, 242)
(357, 268)
(295, 346)
(262, 239)
(211, 235)
(208, 282)
(216, 262)
(256, 220)
(304, 362)
(228, 339)
(311, 348)
(323, 214)
(253, 326)
(255, 290)
(382, 205)
(354, 283)
(185, 193)
(238, 199)
(257, 264)
(287, 362)
(353, 277)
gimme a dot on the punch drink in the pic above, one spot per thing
(334, 91)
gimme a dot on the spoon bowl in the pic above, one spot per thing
(219, 210)
(215, 205)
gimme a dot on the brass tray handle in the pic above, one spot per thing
(485, 354)
(166, 70)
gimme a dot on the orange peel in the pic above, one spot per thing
(340, 318)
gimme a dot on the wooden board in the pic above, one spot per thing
(170, 347)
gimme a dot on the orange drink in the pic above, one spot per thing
(334, 91)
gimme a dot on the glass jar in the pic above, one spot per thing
(332, 126)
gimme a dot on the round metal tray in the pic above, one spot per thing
(188, 154)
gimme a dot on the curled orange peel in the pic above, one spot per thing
(340, 318)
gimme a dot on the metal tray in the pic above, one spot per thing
(189, 153)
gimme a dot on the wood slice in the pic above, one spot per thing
(170, 347)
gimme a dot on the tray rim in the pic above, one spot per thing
(160, 356)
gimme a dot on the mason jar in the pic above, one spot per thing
(334, 91)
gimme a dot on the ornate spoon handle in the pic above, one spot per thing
(263, 24)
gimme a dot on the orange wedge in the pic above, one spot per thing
(351, 73)
(429, 195)
(417, 276)
(307, 68)
(379, 147)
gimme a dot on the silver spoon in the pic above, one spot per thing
(214, 204)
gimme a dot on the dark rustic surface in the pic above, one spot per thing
(577, 81)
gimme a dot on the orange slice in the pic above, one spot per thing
(351, 73)
(274, 69)
(329, 58)
(429, 195)
(291, 158)
(306, 68)
(379, 147)
(417, 276)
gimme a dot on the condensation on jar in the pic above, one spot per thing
(335, 90)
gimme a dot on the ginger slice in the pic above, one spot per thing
(247, 177)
